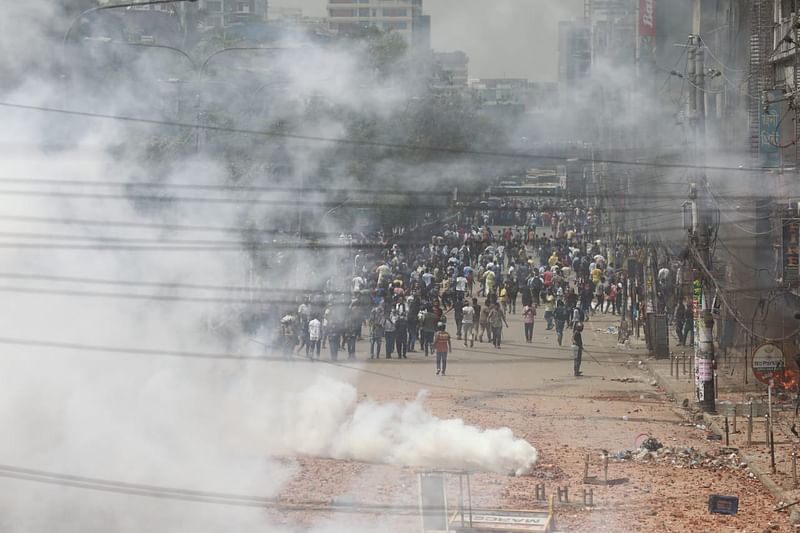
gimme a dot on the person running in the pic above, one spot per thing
(577, 347)
(443, 345)
(528, 313)
(468, 322)
(496, 320)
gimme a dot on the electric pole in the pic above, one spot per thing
(700, 236)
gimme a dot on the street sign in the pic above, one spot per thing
(768, 362)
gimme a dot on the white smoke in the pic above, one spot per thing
(222, 426)
(394, 433)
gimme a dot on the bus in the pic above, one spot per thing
(535, 183)
(527, 191)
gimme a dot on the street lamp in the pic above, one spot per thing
(108, 40)
(115, 6)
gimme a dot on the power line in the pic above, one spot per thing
(196, 496)
(151, 284)
(288, 203)
(617, 192)
(212, 187)
(167, 297)
(730, 308)
(273, 359)
(374, 144)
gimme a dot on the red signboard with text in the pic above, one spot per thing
(647, 18)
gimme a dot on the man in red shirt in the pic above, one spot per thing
(442, 345)
(547, 277)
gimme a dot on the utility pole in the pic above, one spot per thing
(700, 236)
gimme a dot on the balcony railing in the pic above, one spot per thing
(782, 47)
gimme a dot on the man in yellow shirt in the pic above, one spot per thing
(597, 273)
(489, 279)
(553, 261)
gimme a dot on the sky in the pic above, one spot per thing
(503, 38)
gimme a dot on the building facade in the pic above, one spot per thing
(574, 51)
(455, 67)
(402, 16)
(221, 13)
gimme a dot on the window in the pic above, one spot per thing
(363, 11)
(343, 12)
(214, 6)
(786, 8)
(243, 7)
(389, 26)
(395, 12)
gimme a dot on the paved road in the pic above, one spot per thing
(530, 389)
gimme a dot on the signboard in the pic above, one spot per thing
(768, 131)
(790, 256)
(647, 18)
(703, 372)
(703, 368)
(509, 520)
(768, 362)
(697, 294)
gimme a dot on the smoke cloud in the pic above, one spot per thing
(401, 434)
(224, 426)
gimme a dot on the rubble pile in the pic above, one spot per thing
(653, 451)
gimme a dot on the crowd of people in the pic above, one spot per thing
(403, 297)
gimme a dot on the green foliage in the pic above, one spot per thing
(384, 50)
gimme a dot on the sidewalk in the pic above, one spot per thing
(736, 400)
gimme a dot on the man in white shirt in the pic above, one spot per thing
(358, 283)
(461, 288)
(314, 337)
(468, 323)
(304, 310)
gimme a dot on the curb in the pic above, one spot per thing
(711, 422)
(776, 491)
(665, 383)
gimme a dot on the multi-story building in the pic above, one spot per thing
(402, 16)
(215, 13)
(531, 95)
(221, 13)
(574, 51)
(204, 14)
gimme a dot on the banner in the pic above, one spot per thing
(647, 18)
(768, 130)
(790, 248)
